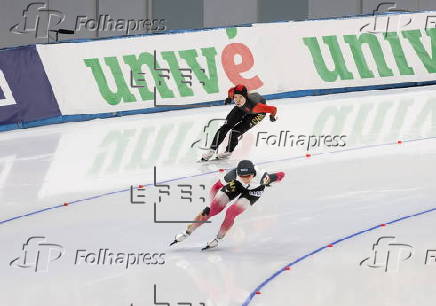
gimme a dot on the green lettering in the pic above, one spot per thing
(414, 38)
(340, 69)
(122, 92)
(356, 48)
(210, 84)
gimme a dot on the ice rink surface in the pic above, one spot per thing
(66, 205)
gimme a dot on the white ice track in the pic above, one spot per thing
(331, 195)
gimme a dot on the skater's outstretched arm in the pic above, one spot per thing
(263, 108)
(269, 178)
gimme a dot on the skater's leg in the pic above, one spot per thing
(232, 118)
(231, 213)
(247, 123)
(220, 135)
(202, 217)
(214, 189)
(233, 139)
(218, 203)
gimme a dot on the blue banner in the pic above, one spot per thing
(25, 92)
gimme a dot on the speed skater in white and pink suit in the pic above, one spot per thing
(245, 183)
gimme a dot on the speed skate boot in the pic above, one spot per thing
(224, 155)
(207, 155)
(211, 244)
(180, 237)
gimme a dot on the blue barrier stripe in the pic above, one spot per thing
(282, 95)
(277, 273)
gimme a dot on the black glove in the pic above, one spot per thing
(228, 101)
(266, 180)
(272, 118)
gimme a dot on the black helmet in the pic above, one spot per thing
(241, 90)
(245, 167)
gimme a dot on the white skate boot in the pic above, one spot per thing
(207, 155)
(211, 244)
(180, 237)
(224, 155)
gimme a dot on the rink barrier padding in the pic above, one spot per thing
(285, 95)
(81, 80)
(25, 91)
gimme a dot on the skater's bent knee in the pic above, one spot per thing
(235, 133)
(234, 211)
(225, 128)
(206, 211)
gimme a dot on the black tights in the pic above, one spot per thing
(237, 122)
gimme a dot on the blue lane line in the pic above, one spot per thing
(277, 273)
(204, 174)
(10, 219)
(38, 211)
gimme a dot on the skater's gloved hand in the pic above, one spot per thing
(228, 101)
(272, 118)
(280, 176)
(266, 181)
(275, 177)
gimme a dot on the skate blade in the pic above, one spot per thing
(207, 247)
(223, 157)
(207, 160)
(174, 242)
